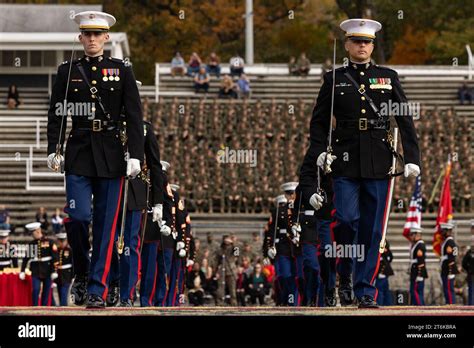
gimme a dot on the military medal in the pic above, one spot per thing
(380, 83)
(117, 78)
(104, 72)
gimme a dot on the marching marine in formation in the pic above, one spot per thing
(95, 162)
(449, 268)
(418, 272)
(360, 152)
(63, 268)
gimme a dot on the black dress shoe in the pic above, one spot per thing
(368, 302)
(346, 296)
(330, 298)
(95, 301)
(126, 303)
(113, 295)
(79, 290)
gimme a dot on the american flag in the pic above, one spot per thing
(414, 211)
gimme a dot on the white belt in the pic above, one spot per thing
(309, 212)
(4, 263)
(277, 240)
(382, 276)
(283, 230)
(43, 259)
(413, 261)
(69, 265)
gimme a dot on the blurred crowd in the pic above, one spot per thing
(194, 132)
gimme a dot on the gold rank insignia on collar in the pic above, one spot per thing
(380, 83)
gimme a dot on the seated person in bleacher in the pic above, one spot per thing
(6, 261)
(465, 93)
(213, 65)
(194, 64)
(304, 65)
(201, 80)
(293, 67)
(236, 65)
(177, 65)
(227, 89)
(13, 98)
(4, 218)
(243, 85)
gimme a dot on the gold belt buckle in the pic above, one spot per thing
(362, 124)
(96, 125)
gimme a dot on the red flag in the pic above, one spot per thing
(445, 210)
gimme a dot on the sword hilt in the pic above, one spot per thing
(120, 245)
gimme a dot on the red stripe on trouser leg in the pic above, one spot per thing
(417, 298)
(386, 211)
(152, 295)
(111, 241)
(450, 298)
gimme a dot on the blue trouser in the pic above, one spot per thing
(470, 291)
(384, 297)
(311, 273)
(328, 264)
(286, 273)
(126, 270)
(300, 282)
(164, 260)
(177, 274)
(107, 198)
(149, 273)
(417, 292)
(448, 290)
(63, 291)
(45, 291)
(360, 209)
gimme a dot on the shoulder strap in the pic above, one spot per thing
(93, 90)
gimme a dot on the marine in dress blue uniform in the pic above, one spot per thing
(95, 161)
(63, 268)
(41, 265)
(6, 261)
(418, 272)
(361, 156)
(382, 283)
(449, 268)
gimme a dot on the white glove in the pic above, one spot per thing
(272, 252)
(157, 213)
(54, 276)
(182, 253)
(296, 239)
(411, 170)
(133, 167)
(419, 279)
(55, 162)
(296, 229)
(329, 159)
(316, 201)
(189, 263)
(180, 245)
(22, 275)
(165, 229)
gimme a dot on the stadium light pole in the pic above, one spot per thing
(249, 31)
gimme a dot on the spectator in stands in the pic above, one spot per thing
(236, 65)
(241, 286)
(194, 283)
(465, 94)
(304, 65)
(214, 65)
(13, 97)
(201, 80)
(243, 86)
(227, 89)
(194, 64)
(258, 285)
(57, 221)
(177, 65)
(327, 66)
(42, 217)
(293, 67)
(4, 218)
